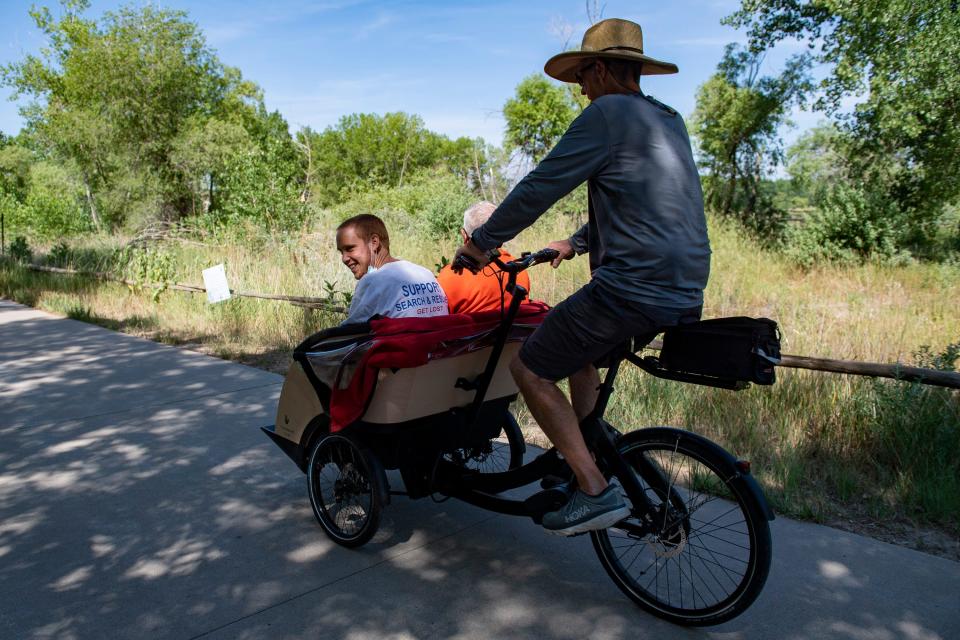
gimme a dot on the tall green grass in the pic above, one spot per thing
(821, 444)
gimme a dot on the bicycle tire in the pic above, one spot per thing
(701, 542)
(344, 485)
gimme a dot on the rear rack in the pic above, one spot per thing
(651, 364)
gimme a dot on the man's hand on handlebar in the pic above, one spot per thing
(564, 248)
(469, 257)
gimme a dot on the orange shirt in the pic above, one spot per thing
(478, 292)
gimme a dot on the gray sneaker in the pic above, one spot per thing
(584, 512)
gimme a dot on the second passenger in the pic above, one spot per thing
(387, 287)
(481, 291)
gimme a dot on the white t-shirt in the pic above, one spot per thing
(398, 289)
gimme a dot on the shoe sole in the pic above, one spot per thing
(600, 522)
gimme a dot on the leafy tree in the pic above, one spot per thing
(537, 115)
(203, 152)
(15, 163)
(466, 158)
(366, 150)
(735, 122)
(815, 161)
(117, 96)
(255, 188)
(851, 221)
(897, 58)
(430, 201)
(51, 207)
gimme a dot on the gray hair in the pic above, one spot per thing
(624, 70)
(476, 215)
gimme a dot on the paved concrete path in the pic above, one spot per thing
(138, 499)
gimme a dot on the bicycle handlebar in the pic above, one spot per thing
(525, 261)
(464, 261)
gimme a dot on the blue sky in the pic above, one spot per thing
(452, 63)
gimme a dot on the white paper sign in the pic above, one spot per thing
(215, 282)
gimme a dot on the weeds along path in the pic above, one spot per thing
(876, 456)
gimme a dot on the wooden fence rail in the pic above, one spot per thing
(302, 301)
(896, 371)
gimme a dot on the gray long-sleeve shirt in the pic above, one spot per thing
(647, 235)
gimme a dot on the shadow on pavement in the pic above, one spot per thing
(139, 499)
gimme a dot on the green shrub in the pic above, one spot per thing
(20, 250)
(434, 201)
(848, 226)
(253, 190)
(51, 208)
(60, 254)
(146, 267)
(56, 215)
(441, 202)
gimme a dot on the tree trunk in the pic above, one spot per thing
(209, 203)
(92, 204)
(307, 150)
(403, 167)
(476, 166)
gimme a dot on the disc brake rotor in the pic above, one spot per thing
(670, 541)
(668, 548)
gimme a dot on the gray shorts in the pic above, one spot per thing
(590, 324)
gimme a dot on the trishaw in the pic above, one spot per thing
(432, 400)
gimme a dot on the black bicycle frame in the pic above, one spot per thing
(478, 489)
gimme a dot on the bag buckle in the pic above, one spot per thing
(760, 352)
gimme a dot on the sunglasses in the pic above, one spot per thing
(578, 76)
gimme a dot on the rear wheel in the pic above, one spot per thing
(496, 455)
(703, 555)
(344, 482)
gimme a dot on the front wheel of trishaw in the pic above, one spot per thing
(344, 482)
(705, 553)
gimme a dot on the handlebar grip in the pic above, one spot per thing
(464, 261)
(545, 255)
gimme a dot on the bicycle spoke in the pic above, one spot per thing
(693, 585)
(729, 573)
(656, 575)
(709, 535)
(717, 582)
(716, 553)
(680, 576)
(709, 522)
(638, 554)
(690, 580)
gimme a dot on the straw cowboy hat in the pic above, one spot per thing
(611, 38)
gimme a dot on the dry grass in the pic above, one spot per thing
(820, 443)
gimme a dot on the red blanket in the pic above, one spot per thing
(412, 342)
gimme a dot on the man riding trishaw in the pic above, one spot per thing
(646, 236)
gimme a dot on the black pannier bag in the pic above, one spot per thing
(739, 348)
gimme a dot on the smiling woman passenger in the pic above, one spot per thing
(388, 287)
